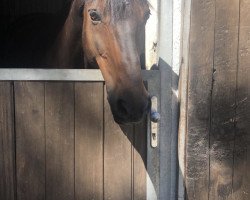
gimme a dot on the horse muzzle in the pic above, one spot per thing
(128, 108)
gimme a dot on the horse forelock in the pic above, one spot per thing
(120, 9)
(117, 9)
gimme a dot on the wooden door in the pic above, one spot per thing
(215, 105)
(59, 141)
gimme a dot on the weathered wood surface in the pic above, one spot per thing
(222, 130)
(30, 140)
(60, 140)
(183, 91)
(89, 141)
(7, 138)
(241, 178)
(140, 161)
(117, 175)
(199, 92)
(67, 144)
(216, 150)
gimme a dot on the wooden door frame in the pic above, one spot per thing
(163, 47)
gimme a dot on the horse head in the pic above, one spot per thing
(112, 31)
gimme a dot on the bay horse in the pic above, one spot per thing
(107, 34)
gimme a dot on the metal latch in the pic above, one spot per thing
(154, 121)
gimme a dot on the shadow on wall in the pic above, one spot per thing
(217, 151)
(169, 132)
(163, 161)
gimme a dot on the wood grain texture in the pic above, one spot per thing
(117, 158)
(30, 140)
(183, 96)
(140, 161)
(223, 99)
(7, 138)
(198, 109)
(59, 119)
(241, 178)
(89, 141)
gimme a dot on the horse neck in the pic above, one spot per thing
(67, 50)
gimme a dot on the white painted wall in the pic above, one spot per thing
(151, 37)
(153, 30)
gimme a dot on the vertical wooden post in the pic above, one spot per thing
(198, 61)
(241, 176)
(30, 140)
(117, 157)
(222, 124)
(183, 95)
(60, 140)
(89, 141)
(7, 145)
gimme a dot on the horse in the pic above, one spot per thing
(107, 34)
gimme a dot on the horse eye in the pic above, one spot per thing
(95, 16)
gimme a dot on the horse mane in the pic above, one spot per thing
(118, 8)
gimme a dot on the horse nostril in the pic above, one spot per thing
(129, 107)
(122, 107)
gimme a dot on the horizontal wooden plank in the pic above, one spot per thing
(60, 74)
